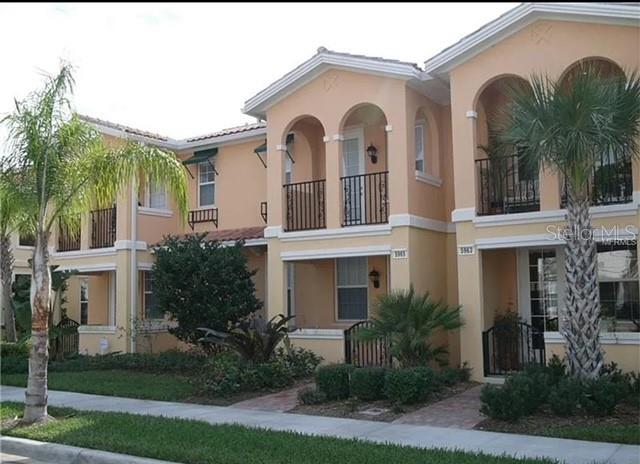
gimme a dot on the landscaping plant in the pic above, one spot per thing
(66, 169)
(367, 383)
(410, 385)
(566, 125)
(220, 289)
(410, 322)
(253, 338)
(334, 380)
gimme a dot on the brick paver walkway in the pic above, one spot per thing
(461, 411)
(277, 402)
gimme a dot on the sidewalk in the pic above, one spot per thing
(569, 451)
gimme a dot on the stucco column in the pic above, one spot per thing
(275, 167)
(463, 127)
(276, 284)
(400, 161)
(549, 190)
(333, 169)
(470, 294)
(120, 341)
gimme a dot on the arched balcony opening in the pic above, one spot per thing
(506, 182)
(303, 150)
(611, 181)
(364, 171)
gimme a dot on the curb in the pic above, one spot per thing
(44, 451)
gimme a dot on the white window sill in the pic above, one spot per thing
(428, 179)
(606, 338)
(317, 334)
(156, 325)
(162, 212)
(97, 329)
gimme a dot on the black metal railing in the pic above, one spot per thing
(68, 238)
(611, 182)
(103, 227)
(263, 211)
(66, 340)
(365, 353)
(507, 185)
(27, 240)
(198, 216)
(305, 203)
(365, 199)
(509, 348)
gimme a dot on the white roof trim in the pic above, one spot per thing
(521, 16)
(322, 61)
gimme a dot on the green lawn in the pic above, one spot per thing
(129, 384)
(626, 434)
(190, 441)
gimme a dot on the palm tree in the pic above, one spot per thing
(409, 322)
(566, 126)
(67, 170)
(13, 218)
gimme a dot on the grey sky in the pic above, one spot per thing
(186, 69)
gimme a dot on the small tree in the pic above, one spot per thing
(201, 283)
(410, 322)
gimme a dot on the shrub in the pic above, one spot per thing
(14, 349)
(600, 396)
(534, 383)
(410, 322)
(367, 383)
(564, 397)
(253, 338)
(222, 375)
(410, 385)
(333, 380)
(556, 370)
(219, 289)
(633, 382)
(452, 375)
(311, 395)
(302, 363)
(14, 365)
(502, 402)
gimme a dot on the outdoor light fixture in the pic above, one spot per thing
(372, 151)
(375, 277)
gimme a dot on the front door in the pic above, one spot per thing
(352, 170)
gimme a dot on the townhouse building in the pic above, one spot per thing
(366, 174)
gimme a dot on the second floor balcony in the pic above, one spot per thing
(103, 228)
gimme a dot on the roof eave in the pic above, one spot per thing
(523, 15)
(258, 104)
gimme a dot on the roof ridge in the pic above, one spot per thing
(124, 128)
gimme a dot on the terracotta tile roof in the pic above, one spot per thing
(366, 57)
(246, 233)
(123, 128)
(231, 130)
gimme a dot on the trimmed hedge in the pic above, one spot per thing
(367, 383)
(410, 385)
(333, 380)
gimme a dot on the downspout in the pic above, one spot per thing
(133, 306)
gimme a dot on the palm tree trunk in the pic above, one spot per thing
(6, 269)
(36, 396)
(581, 325)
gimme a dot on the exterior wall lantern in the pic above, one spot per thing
(375, 278)
(372, 151)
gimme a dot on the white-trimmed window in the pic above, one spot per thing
(352, 288)
(156, 195)
(84, 301)
(618, 280)
(419, 139)
(206, 185)
(151, 310)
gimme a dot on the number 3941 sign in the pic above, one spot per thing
(466, 250)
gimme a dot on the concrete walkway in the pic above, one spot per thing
(569, 451)
(461, 411)
(277, 402)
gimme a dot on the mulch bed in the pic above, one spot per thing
(385, 410)
(544, 419)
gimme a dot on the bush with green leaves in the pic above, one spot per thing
(301, 362)
(310, 396)
(14, 349)
(410, 323)
(600, 396)
(556, 369)
(452, 375)
(14, 365)
(502, 402)
(334, 380)
(367, 383)
(564, 397)
(633, 381)
(254, 339)
(219, 288)
(410, 385)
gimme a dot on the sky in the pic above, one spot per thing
(186, 69)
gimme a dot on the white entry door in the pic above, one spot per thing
(353, 187)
